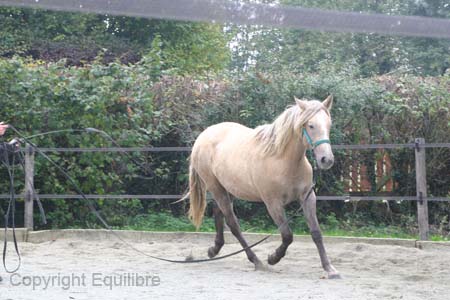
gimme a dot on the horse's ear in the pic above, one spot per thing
(301, 103)
(328, 103)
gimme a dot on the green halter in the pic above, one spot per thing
(310, 141)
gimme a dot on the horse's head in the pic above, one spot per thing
(316, 130)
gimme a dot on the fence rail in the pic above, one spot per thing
(421, 192)
(346, 198)
(188, 149)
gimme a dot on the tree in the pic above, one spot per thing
(80, 38)
(365, 54)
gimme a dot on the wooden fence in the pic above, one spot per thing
(420, 166)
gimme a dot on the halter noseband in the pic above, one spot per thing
(316, 143)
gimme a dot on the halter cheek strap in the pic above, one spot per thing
(316, 143)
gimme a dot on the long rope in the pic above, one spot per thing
(146, 169)
(10, 212)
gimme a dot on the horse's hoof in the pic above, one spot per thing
(334, 276)
(259, 266)
(273, 259)
(212, 252)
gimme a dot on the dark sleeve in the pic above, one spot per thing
(7, 152)
(3, 152)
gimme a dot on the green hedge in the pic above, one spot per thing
(141, 105)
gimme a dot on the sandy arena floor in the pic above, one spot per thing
(75, 269)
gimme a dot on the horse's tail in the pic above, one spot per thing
(197, 196)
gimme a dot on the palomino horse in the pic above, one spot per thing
(265, 164)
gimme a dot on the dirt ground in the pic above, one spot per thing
(77, 269)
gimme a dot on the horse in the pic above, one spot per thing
(266, 164)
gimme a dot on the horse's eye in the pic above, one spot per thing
(311, 126)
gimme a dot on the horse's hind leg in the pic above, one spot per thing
(277, 213)
(225, 204)
(309, 208)
(219, 241)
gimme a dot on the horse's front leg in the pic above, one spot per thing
(276, 211)
(309, 208)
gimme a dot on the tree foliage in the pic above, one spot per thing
(80, 38)
(367, 54)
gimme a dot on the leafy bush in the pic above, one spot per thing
(145, 105)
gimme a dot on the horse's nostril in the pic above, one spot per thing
(323, 159)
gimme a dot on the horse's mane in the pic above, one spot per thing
(275, 137)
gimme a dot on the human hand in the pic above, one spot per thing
(3, 128)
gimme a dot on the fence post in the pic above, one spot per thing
(421, 189)
(29, 184)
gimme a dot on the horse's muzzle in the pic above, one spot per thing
(326, 162)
